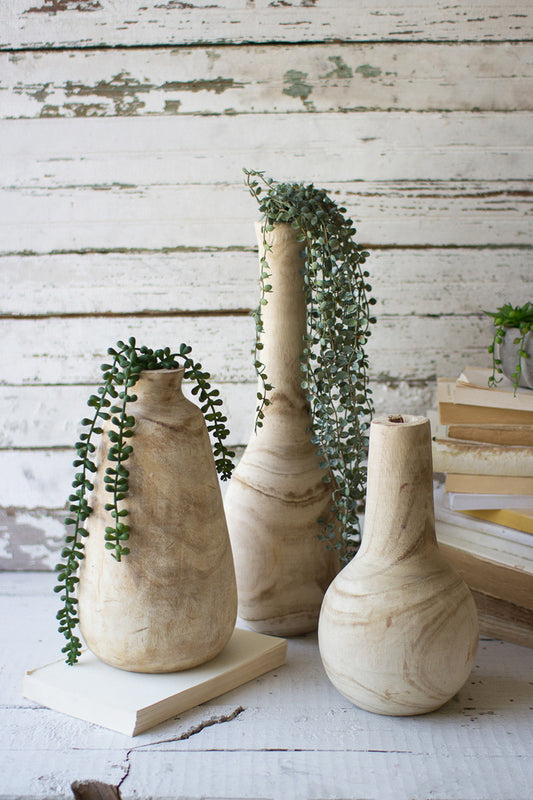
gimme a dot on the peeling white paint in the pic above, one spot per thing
(123, 209)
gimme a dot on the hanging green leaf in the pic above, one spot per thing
(334, 363)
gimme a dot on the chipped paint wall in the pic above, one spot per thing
(123, 131)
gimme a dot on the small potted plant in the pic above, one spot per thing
(293, 503)
(512, 345)
(147, 569)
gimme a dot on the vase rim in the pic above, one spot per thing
(171, 375)
(396, 420)
(161, 371)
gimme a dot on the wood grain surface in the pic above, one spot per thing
(277, 494)
(171, 604)
(398, 628)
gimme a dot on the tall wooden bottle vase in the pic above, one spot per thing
(398, 629)
(170, 604)
(276, 494)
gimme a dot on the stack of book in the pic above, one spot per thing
(496, 562)
(484, 511)
(487, 453)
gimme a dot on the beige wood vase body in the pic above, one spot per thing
(398, 628)
(276, 494)
(171, 603)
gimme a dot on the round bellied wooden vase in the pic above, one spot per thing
(171, 603)
(277, 494)
(398, 628)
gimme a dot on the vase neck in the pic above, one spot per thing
(284, 315)
(399, 516)
(158, 388)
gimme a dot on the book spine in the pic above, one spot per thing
(496, 580)
(503, 620)
(493, 435)
(481, 459)
(499, 549)
(520, 524)
(468, 501)
(457, 413)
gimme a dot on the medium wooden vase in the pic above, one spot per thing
(276, 494)
(171, 603)
(398, 628)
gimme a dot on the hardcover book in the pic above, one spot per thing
(490, 484)
(493, 434)
(467, 458)
(472, 388)
(519, 520)
(453, 412)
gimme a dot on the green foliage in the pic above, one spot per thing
(334, 363)
(509, 316)
(112, 403)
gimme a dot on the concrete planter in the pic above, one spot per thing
(507, 352)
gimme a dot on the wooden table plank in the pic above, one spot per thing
(296, 737)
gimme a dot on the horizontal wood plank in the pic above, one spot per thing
(255, 79)
(68, 351)
(32, 539)
(405, 213)
(88, 23)
(36, 417)
(372, 146)
(302, 774)
(131, 283)
(54, 351)
(49, 416)
(404, 281)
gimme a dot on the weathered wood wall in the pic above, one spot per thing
(123, 131)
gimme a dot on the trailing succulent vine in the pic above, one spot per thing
(334, 363)
(113, 403)
(509, 316)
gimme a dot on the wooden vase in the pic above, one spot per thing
(398, 628)
(171, 603)
(276, 494)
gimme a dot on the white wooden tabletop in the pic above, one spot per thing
(286, 735)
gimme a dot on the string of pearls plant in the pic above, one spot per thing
(334, 363)
(113, 402)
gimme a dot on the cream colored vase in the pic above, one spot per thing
(398, 628)
(171, 603)
(276, 494)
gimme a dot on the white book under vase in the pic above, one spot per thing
(133, 702)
